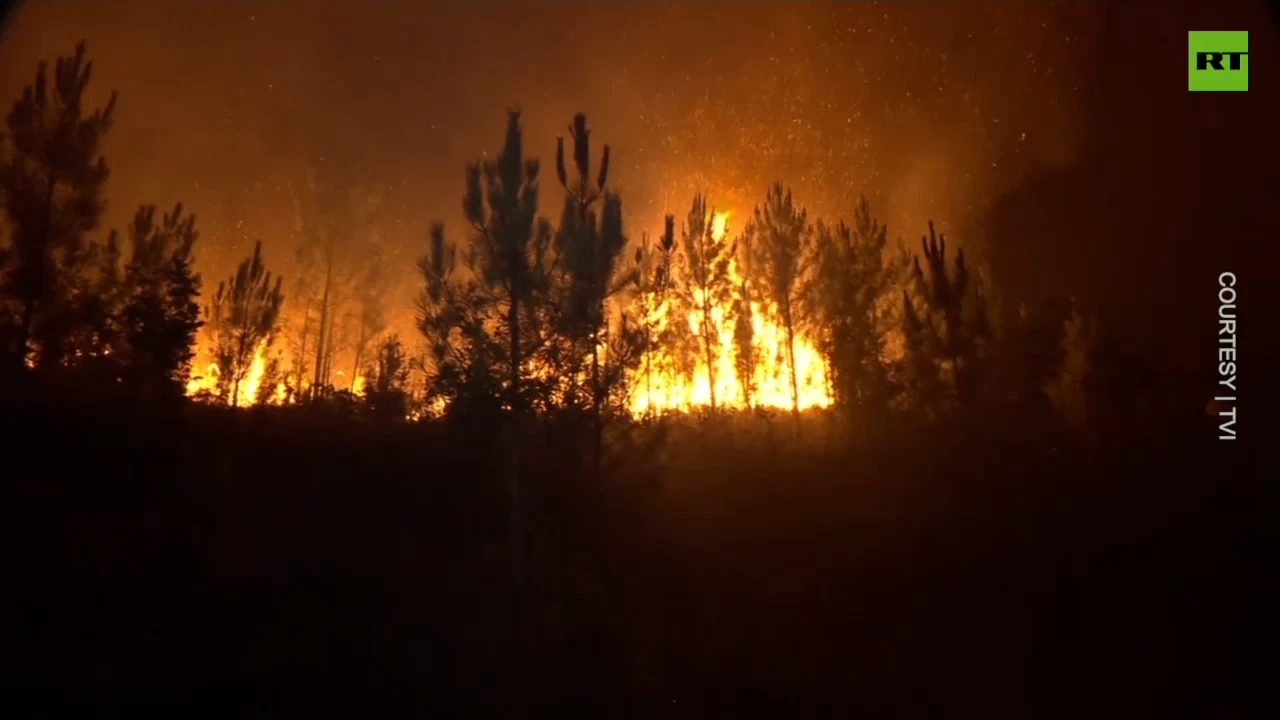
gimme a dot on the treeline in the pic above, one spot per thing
(574, 317)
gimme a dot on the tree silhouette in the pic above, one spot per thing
(454, 320)
(435, 304)
(782, 242)
(591, 251)
(745, 355)
(371, 315)
(52, 185)
(843, 302)
(708, 282)
(507, 252)
(388, 380)
(500, 204)
(161, 315)
(674, 333)
(654, 282)
(88, 333)
(335, 212)
(642, 282)
(944, 325)
(243, 317)
(273, 374)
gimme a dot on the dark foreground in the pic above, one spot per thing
(282, 564)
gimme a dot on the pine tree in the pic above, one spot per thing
(52, 187)
(500, 204)
(435, 305)
(454, 318)
(673, 334)
(591, 255)
(708, 282)
(273, 375)
(371, 315)
(642, 282)
(244, 317)
(335, 212)
(919, 367)
(745, 355)
(507, 252)
(88, 332)
(844, 301)
(783, 241)
(161, 315)
(654, 282)
(948, 329)
(387, 394)
(305, 263)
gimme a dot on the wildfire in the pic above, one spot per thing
(663, 386)
(248, 394)
(662, 383)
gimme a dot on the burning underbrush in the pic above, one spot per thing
(666, 379)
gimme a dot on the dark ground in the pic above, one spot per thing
(282, 564)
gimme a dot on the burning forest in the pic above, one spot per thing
(667, 359)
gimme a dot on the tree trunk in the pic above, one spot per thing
(241, 357)
(597, 420)
(328, 354)
(707, 333)
(599, 280)
(648, 377)
(302, 350)
(324, 331)
(598, 283)
(29, 307)
(791, 360)
(360, 343)
(238, 376)
(515, 525)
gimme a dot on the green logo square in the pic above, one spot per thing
(1217, 61)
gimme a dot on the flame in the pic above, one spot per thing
(661, 386)
(719, 224)
(207, 382)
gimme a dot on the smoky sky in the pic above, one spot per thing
(933, 110)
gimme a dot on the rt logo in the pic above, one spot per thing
(1218, 61)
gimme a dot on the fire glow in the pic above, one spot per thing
(661, 384)
(663, 387)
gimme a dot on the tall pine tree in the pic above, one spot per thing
(949, 318)
(745, 354)
(507, 251)
(388, 378)
(161, 314)
(592, 260)
(850, 279)
(243, 317)
(708, 281)
(783, 237)
(51, 182)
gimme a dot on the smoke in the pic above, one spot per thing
(932, 112)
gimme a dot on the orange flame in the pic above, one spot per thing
(207, 382)
(661, 387)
